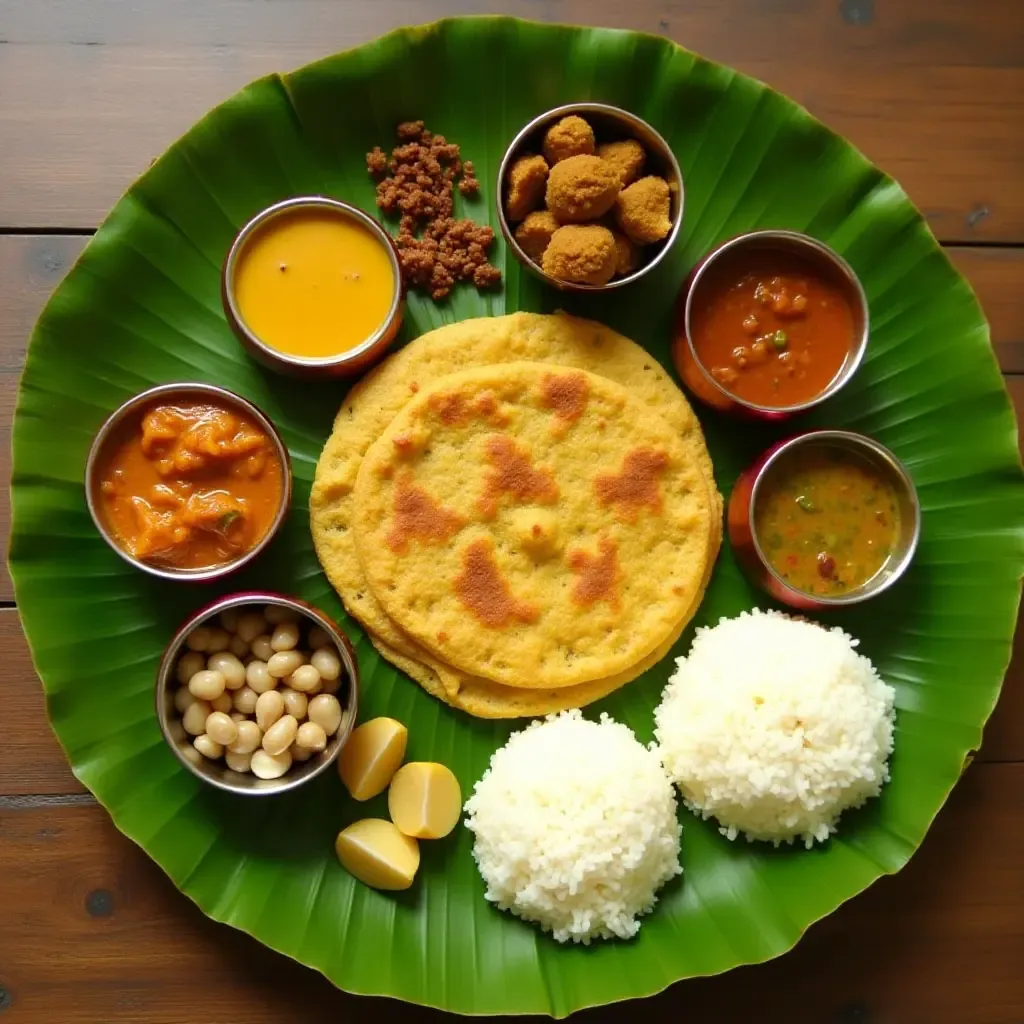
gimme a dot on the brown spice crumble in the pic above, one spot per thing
(417, 184)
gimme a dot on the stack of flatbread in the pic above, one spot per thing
(520, 510)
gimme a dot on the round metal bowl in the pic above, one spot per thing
(217, 774)
(743, 505)
(345, 364)
(828, 263)
(611, 123)
(134, 408)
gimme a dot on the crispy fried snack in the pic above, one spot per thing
(526, 181)
(627, 156)
(571, 136)
(582, 188)
(627, 254)
(583, 253)
(535, 233)
(642, 210)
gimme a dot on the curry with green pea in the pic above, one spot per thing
(826, 520)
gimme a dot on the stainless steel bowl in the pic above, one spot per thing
(698, 378)
(608, 123)
(743, 508)
(217, 774)
(134, 407)
(345, 364)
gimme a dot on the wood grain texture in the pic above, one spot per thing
(30, 268)
(92, 931)
(92, 90)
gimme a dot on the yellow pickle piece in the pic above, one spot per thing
(425, 800)
(371, 757)
(376, 853)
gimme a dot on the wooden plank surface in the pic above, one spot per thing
(92, 90)
(101, 935)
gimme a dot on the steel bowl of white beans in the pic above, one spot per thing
(257, 693)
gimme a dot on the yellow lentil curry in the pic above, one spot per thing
(826, 519)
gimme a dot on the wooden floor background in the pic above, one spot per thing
(92, 90)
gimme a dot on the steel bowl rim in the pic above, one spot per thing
(266, 215)
(258, 597)
(608, 110)
(824, 251)
(139, 401)
(877, 452)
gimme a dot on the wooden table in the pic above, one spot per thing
(92, 90)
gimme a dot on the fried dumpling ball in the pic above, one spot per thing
(582, 188)
(571, 136)
(627, 254)
(526, 180)
(581, 253)
(627, 156)
(535, 232)
(642, 210)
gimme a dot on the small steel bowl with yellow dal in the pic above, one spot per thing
(312, 287)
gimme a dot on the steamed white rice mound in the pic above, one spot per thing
(576, 827)
(775, 726)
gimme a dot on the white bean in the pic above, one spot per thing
(219, 640)
(208, 747)
(192, 755)
(206, 684)
(277, 613)
(311, 736)
(319, 637)
(325, 711)
(305, 679)
(198, 639)
(250, 625)
(222, 703)
(270, 766)
(245, 700)
(257, 676)
(284, 663)
(295, 703)
(280, 736)
(269, 708)
(221, 729)
(249, 737)
(326, 662)
(229, 619)
(237, 716)
(229, 667)
(238, 647)
(330, 685)
(182, 699)
(285, 636)
(237, 762)
(262, 647)
(194, 719)
(188, 665)
(299, 753)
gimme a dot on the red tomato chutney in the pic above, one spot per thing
(770, 328)
(191, 485)
(826, 520)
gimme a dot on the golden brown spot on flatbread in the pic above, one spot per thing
(513, 473)
(565, 394)
(449, 406)
(635, 486)
(485, 592)
(598, 575)
(403, 443)
(413, 387)
(419, 517)
(487, 407)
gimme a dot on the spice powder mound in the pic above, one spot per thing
(417, 182)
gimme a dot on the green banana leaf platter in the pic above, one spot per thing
(142, 306)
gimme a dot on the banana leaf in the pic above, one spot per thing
(142, 306)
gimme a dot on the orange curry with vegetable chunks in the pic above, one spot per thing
(826, 519)
(191, 485)
(770, 328)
